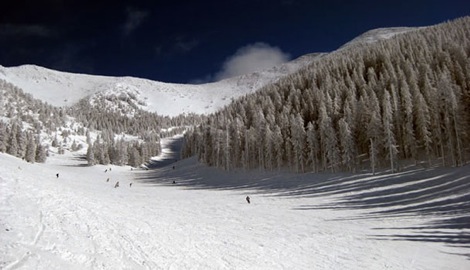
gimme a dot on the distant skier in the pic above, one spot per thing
(57, 175)
(130, 184)
(116, 185)
(248, 199)
(107, 180)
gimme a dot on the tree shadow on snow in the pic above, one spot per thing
(83, 162)
(442, 194)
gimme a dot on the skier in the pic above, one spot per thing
(57, 175)
(248, 199)
(116, 185)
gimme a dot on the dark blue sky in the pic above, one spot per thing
(185, 41)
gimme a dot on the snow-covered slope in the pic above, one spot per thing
(65, 89)
(377, 35)
(324, 221)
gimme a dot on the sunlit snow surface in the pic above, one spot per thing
(202, 221)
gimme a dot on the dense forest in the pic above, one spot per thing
(382, 105)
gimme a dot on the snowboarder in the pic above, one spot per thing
(116, 185)
(248, 199)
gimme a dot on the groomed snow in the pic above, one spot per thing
(80, 221)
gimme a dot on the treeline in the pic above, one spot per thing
(376, 105)
(101, 117)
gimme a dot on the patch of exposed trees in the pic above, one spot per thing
(369, 106)
(108, 149)
(101, 117)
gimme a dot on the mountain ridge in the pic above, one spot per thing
(64, 89)
(169, 99)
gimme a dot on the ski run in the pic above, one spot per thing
(66, 215)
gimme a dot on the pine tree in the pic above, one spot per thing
(328, 141)
(374, 135)
(409, 141)
(313, 147)
(90, 155)
(12, 147)
(277, 145)
(3, 138)
(347, 145)
(423, 125)
(298, 139)
(21, 142)
(74, 146)
(41, 153)
(30, 155)
(387, 122)
(135, 159)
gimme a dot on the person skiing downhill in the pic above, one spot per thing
(248, 199)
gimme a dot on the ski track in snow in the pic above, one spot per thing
(80, 221)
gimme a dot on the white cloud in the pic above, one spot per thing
(251, 58)
(134, 19)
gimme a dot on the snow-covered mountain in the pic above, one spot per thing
(127, 96)
(65, 89)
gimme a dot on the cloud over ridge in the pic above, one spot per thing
(251, 58)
